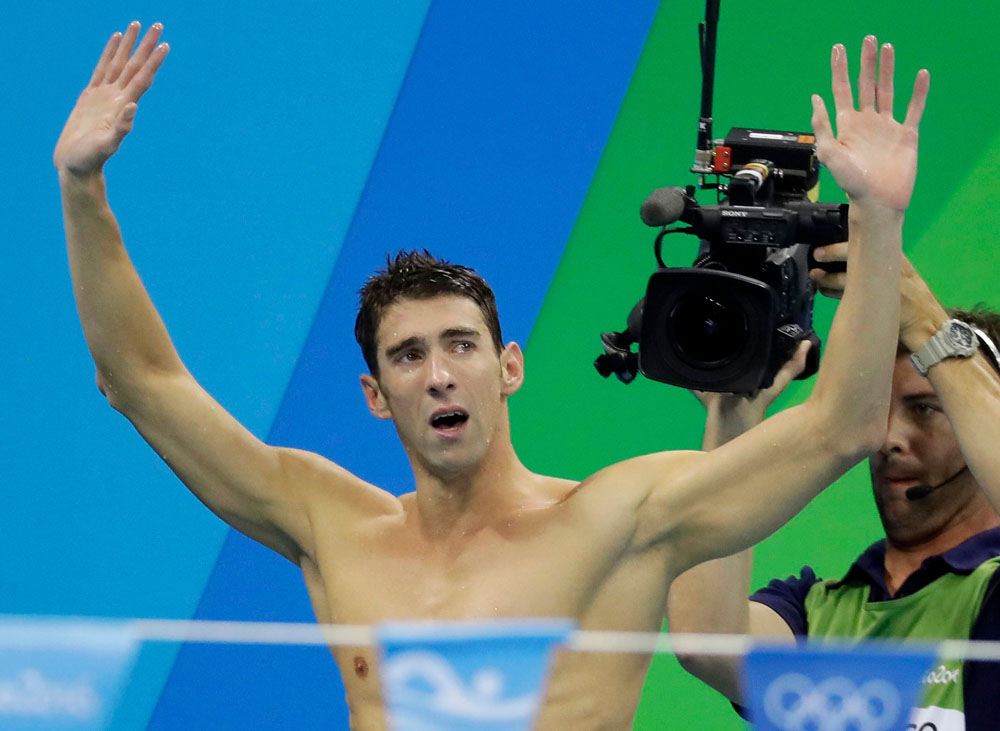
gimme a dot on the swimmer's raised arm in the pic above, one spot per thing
(255, 488)
(713, 504)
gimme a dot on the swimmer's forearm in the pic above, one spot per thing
(873, 158)
(126, 336)
(853, 384)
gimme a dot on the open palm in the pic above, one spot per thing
(105, 111)
(873, 157)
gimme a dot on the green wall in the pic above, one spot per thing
(772, 56)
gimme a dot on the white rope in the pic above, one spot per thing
(289, 633)
(254, 633)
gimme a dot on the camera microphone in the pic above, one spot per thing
(919, 492)
(664, 206)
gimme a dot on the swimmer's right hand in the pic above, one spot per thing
(105, 111)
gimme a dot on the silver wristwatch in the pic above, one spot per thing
(954, 339)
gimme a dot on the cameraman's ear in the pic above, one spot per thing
(511, 368)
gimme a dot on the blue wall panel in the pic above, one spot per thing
(488, 156)
(234, 192)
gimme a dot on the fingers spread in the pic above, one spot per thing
(886, 69)
(109, 51)
(866, 78)
(919, 99)
(843, 98)
(117, 63)
(142, 53)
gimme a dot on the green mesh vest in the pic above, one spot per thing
(946, 608)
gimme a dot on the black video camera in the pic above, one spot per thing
(730, 321)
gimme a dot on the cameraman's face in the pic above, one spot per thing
(920, 449)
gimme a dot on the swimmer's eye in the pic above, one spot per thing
(409, 356)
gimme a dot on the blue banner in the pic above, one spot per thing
(857, 688)
(59, 674)
(459, 676)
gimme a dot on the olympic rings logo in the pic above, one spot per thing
(793, 702)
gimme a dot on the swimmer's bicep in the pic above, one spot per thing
(711, 504)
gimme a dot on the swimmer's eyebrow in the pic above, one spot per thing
(460, 332)
(394, 350)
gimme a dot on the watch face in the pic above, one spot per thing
(960, 334)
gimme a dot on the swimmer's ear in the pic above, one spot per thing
(375, 397)
(511, 368)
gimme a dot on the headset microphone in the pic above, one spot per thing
(919, 492)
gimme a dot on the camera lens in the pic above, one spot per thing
(708, 330)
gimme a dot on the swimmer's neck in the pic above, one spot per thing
(459, 504)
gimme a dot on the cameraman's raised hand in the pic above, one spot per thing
(105, 111)
(728, 415)
(873, 157)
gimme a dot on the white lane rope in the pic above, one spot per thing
(288, 633)
(252, 633)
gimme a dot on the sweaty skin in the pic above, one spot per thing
(483, 536)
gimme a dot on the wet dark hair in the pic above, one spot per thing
(418, 275)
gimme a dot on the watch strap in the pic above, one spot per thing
(942, 345)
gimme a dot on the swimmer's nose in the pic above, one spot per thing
(439, 377)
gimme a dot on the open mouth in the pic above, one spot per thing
(449, 419)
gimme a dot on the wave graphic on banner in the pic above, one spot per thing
(488, 676)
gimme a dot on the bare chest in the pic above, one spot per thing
(488, 575)
(544, 570)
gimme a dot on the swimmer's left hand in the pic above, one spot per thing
(873, 157)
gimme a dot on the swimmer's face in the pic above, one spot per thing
(920, 449)
(442, 382)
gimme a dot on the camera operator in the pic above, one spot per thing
(936, 483)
